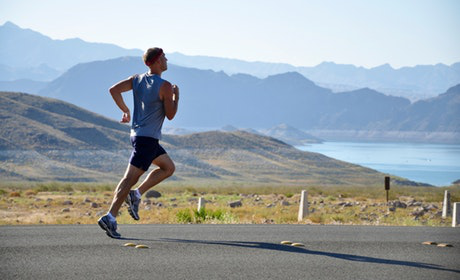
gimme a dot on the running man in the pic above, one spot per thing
(154, 99)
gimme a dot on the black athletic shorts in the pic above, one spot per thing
(145, 150)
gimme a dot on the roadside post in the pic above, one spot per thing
(200, 203)
(387, 186)
(456, 215)
(303, 207)
(446, 208)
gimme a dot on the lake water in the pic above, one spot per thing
(435, 164)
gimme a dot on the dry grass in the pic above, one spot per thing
(79, 203)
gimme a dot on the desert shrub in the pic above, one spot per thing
(184, 216)
(202, 216)
(15, 194)
(207, 214)
(31, 192)
(338, 218)
(316, 218)
(289, 195)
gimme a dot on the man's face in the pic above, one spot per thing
(163, 62)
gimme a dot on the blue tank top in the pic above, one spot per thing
(149, 114)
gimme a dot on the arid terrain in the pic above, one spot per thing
(69, 203)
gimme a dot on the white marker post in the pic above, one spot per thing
(200, 203)
(303, 208)
(456, 214)
(446, 210)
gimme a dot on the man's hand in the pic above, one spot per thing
(169, 94)
(116, 91)
(126, 118)
(175, 89)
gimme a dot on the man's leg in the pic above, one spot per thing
(165, 170)
(108, 221)
(130, 178)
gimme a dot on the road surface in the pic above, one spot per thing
(228, 252)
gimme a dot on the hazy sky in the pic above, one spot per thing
(303, 33)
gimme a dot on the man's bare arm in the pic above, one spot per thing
(116, 91)
(170, 96)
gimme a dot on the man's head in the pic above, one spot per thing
(152, 55)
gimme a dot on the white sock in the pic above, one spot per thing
(138, 194)
(112, 218)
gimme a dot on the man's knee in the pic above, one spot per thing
(132, 175)
(130, 180)
(169, 169)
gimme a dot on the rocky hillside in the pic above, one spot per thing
(43, 139)
(36, 123)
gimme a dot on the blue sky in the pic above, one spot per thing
(365, 33)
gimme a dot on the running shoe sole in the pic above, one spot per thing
(105, 227)
(130, 208)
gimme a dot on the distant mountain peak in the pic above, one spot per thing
(22, 47)
(365, 90)
(289, 76)
(386, 67)
(332, 66)
(293, 79)
(9, 24)
(14, 29)
(327, 63)
(290, 135)
(455, 90)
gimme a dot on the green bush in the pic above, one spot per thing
(202, 216)
(184, 216)
(289, 195)
(207, 215)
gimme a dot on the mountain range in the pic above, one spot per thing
(45, 139)
(26, 54)
(415, 83)
(215, 99)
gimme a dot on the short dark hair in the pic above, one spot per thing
(151, 55)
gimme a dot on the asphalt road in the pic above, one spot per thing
(228, 252)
